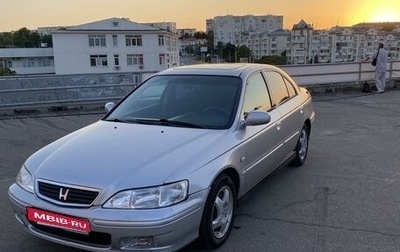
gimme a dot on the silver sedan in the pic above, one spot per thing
(168, 163)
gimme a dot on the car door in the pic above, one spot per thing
(260, 144)
(287, 102)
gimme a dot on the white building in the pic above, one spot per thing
(268, 43)
(235, 29)
(167, 26)
(28, 60)
(114, 45)
(186, 31)
(300, 51)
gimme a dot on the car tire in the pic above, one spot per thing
(219, 213)
(301, 150)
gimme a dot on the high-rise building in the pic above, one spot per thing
(235, 29)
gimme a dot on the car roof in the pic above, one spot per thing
(224, 69)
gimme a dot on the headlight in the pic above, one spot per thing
(24, 179)
(153, 197)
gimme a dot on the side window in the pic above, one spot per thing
(290, 88)
(256, 96)
(278, 87)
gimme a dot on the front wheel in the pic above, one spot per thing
(219, 213)
(302, 147)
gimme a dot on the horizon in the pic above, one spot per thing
(43, 13)
(349, 25)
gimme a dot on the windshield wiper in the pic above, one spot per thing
(167, 122)
(161, 121)
(130, 121)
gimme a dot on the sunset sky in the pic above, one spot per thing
(15, 14)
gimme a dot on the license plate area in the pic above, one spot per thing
(65, 222)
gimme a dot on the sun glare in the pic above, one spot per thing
(385, 14)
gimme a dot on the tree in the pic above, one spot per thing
(229, 52)
(5, 71)
(24, 38)
(210, 40)
(6, 40)
(220, 49)
(200, 35)
(47, 39)
(243, 52)
(273, 60)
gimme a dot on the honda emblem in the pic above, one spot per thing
(63, 196)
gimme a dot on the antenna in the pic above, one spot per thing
(364, 15)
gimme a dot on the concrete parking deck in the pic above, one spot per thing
(345, 197)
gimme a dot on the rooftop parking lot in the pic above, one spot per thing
(344, 198)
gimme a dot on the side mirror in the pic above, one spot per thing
(256, 117)
(109, 106)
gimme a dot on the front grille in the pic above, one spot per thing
(95, 238)
(67, 194)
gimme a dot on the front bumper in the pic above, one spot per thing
(169, 228)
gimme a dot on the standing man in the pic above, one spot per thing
(381, 55)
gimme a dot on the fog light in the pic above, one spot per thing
(128, 243)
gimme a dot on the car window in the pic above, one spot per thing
(256, 95)
(292, 91)
(278, 87)
(152, 95)
(201, 100)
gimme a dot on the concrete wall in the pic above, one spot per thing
(48, 91)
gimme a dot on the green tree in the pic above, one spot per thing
(200, 35)
(22, 38)
(229, 52)
(243, 52)
(273, 60)
(47, 39)
(5, 71)
(6, 40)
(210, 41)
(220, 49)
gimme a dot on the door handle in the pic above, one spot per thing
(279, 125)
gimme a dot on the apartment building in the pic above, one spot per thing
(340, 43)
(268, 43)
(236, 29)
(304, 44)
(300, 50)
(114, 45)
(186, 31)
(167, 26)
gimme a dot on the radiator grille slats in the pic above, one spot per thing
(67, 195)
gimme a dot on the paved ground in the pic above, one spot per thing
(345, 198)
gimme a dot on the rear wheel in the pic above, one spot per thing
(302, 147)
(219, 213)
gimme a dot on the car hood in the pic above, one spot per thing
(120, 156)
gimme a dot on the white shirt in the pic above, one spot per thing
(381, 61)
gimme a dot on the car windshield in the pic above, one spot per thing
(195, 101)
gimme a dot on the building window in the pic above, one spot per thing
(98, 60)
(116, 59)
(5, 63)
(161, 41)
(97, 40)
(134, 59)
(28, 62)
(133, 40)
(162, 60)
(136, 79)
(44, 62)
(115, 40)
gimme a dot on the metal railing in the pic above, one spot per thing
(51, 91)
